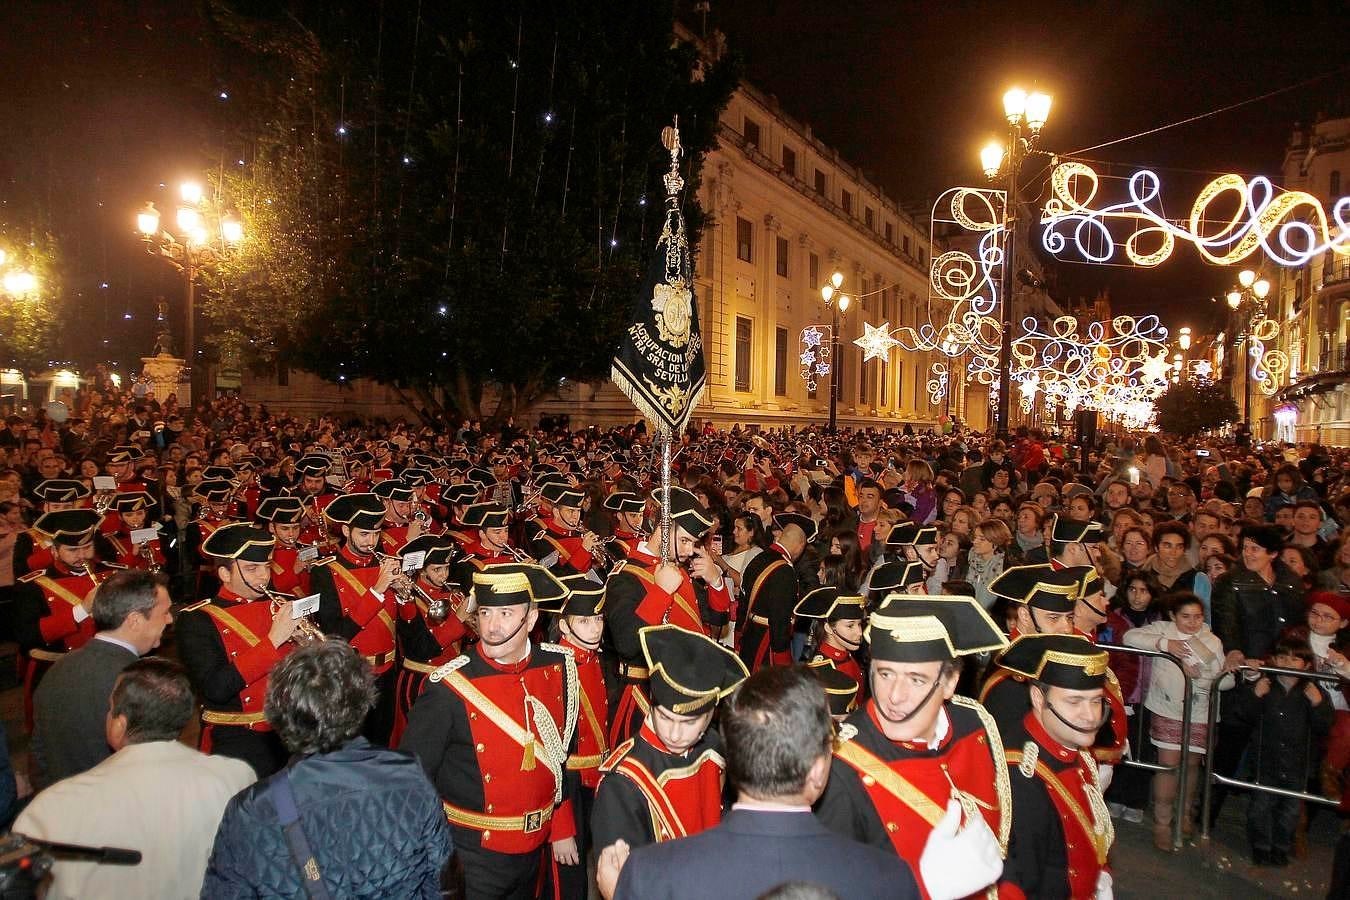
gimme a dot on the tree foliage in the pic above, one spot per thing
(1189, 407)
(30, 324)
(459, 196)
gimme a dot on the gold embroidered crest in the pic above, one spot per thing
(673, 302)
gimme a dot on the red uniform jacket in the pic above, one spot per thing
(892, 794)
(350, 609)
(1064, 831)
(648, 794)
(592, 741)
(499, 774)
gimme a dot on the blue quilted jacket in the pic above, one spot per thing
(373, 820)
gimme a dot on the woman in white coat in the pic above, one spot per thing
(1183, 634)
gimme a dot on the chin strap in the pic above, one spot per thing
(484, 639)
(937, 683)
(849, 645)
(1054, 712)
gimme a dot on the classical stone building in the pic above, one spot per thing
(1313, 301)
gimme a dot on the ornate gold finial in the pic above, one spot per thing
(670, 139)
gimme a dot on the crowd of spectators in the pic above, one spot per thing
(1228, 558)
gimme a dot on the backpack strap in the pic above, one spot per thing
(283, 798)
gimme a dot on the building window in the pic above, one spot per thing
(820, 182)
(863, 373)
(752, 132)
(745, 239)
(780, 363)
(781, 263)
(283, 375)
(1334, 188)
(884, 375)
(890, 233)
(868, 218)
(848, 203)
(904, 245)
(742, 353)
(790, 161)
(813, 268)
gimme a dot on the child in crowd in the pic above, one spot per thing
(1286, 711)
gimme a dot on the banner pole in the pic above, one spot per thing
(667, 539)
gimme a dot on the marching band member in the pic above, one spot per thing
(356, 602)
(917, 768)
(494, 728)
(644, 591)
(666, 781)
(229, 643)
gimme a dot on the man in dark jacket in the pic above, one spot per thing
(365, 818)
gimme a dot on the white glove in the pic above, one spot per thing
(1104, 891)
(1104, 775)
(959, 861)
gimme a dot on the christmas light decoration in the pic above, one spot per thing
(876, 342)
(815, 355)
(1289, 228)
(937, 383)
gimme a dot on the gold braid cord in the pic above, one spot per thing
(1002, 781)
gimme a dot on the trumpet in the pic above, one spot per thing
(148, 554)
(103, 501)
(518, 555)
(306, 632)
(601, 558)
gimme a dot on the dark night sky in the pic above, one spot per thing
(911, 91)
(104, 99)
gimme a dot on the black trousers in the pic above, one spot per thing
(262, 750)
(573, 882)
(379, 724)
(489, 875)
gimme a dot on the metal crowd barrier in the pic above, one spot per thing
(1212, 778)
(1137, 741)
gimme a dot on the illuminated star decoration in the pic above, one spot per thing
(815, 355)
(1202, 369)
(876, 342)
(1155, 367)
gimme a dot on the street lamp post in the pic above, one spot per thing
(17, 282)
(837, 303)
(1026, 114)
(1252, 291)
(196, 246)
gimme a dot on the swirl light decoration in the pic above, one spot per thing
(963, 286)
(937, 383)
(1109, 367)
(1288, 227)
(1267, 365)
(815, 356)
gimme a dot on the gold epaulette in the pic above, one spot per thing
(616, 755)
(196, 606)
(33, 575)
(453, 665)
(846, 733)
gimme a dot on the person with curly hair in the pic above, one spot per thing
(364, 817)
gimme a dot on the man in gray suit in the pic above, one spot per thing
(131, 610)
(778, 737)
